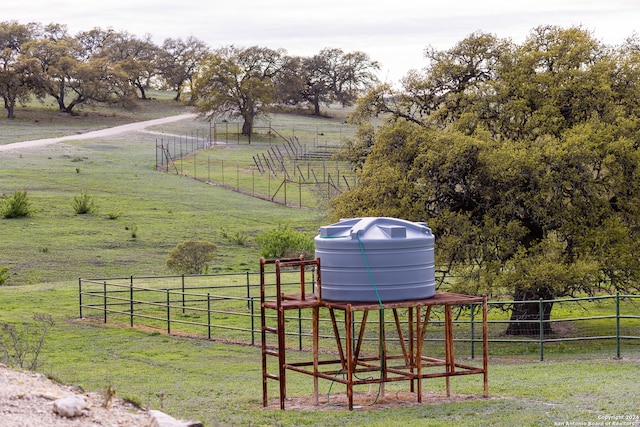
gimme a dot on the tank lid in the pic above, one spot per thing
(374, 227)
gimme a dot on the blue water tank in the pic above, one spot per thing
(375, 259)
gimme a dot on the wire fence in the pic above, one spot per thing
(227, 307)
(285, 171)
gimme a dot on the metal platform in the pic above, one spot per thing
(410, 364)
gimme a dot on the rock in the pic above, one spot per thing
(160, 419)
(69, 407)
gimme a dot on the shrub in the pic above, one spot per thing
(16, 206)
(190, 256)
(84, 204)
(4, 275)
(114, 214)
(284, 241)
(21, 345)
(240, 238)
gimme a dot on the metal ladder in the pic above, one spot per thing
(281, 304)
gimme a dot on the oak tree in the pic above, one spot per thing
(238, 82)
(524, 159)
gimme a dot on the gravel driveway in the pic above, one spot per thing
(131, 127)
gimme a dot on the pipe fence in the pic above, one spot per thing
(227, 307)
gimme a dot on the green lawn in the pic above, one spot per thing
(220, 383)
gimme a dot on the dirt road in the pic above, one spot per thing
(131, 127)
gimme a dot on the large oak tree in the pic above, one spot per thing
(524, 159)
(19, 74)
(238, 82)
(329, 76)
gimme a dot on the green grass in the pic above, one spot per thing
(215, 382)
(220, 383)
(119, 173)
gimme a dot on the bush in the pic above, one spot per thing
(84, 204)
(4, 275)
(16, 206)
(21, 345)
(284, 241)
(191, 256)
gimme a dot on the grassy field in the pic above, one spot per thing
(220, 383)
(216, 382)
(162, 209)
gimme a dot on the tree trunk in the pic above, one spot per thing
(9, 106)
(143, 94)
(525, 317)
(60, 96)
(247, 127)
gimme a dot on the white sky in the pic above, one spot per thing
(392, 32)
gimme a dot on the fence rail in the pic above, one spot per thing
(227, 307)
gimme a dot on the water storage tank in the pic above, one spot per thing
(363, 259)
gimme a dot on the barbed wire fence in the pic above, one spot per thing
(283, 168)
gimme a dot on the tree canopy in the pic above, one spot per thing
(246, 82)
(524, 159)
(329, 76)
(116, 68)
(238, 82)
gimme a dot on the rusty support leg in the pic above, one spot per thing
(383, 352)
(412, 359)
(421, 331)
(418, 358)
(336, 334)
(363, 324)
(403, 344)
(448, 338)
(282, 358)
(316, 344)
(348, 320)
(263, 337)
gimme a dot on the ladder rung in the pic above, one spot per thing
(271, 353)
(272, 377)
(270, 329)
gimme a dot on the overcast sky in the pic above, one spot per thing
(392, 32)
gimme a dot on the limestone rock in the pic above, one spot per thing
(69, 407)
(160, 419)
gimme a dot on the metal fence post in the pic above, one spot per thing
(80, 295)
(183, 294)
(208, 316)
(104, 300)
(618, 325)
(168, 313)
(248, 291)
(253, 323)
(541, 309)
(131, 302)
